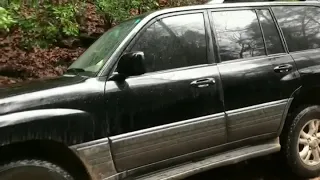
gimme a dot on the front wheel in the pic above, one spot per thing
(33, 170)
(302, 145)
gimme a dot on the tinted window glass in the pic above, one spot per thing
(300, 26)
(174, 42)
(271, 35)
(238, 34)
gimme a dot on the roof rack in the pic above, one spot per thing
(215, 2)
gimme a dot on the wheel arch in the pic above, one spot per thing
(48, 150)
(47, 134)
(300, 98)
(69, 126)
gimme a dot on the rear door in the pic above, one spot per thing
(301, 28)
(258, 75)
(174, 110)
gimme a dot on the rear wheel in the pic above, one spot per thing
(33, 170)
(308, 146)
(302, 143)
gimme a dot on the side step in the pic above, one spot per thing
(231, 157)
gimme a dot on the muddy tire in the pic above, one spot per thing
(32, 170)
(301, 146)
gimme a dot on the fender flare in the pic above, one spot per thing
(69, 126)
(294, 97)
(286, 110)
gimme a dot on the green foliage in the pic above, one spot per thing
(144, 5)
(113, 10)
(6, 20)
(117, 11)
(45, 24)
(66, 17)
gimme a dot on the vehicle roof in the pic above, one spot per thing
(229, 5)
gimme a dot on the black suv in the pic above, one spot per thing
(172, 93)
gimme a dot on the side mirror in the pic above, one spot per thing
(130, 64)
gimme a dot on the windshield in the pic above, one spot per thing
(92, 60)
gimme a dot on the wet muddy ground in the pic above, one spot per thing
(265, 168)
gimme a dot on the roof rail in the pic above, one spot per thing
(215, 2)
(222, 1)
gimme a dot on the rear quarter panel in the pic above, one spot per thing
(308, 64)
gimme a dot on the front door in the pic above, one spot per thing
(175, 108)
(257, 74)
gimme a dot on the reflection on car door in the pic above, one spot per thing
(257, 74)
(302, 34)
(175, 108)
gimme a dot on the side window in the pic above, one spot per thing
(174, 42)
(300, 26)
(270, 32)
(238, 34)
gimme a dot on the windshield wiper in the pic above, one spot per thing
(75, 70)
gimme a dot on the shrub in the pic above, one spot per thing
(46, 23)
(117, 11)
(6, 20)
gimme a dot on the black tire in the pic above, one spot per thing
(33, 170)
(290, 143)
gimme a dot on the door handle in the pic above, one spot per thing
(200, 83)
(283, 68)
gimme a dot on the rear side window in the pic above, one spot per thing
(238, 34)
(174, 42)
(300, 26)
(270, 32)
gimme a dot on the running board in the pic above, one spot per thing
(231, 157)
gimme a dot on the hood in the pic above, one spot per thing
(38, 85)
(32, 94)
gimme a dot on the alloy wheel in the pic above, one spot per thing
(309, 143)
